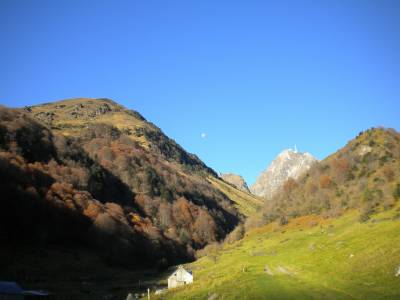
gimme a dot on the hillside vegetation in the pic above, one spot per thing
(332, 234)
(90, 177)
(71, 116)
(365, 174)
(90, 173)
(311, 257)
(246, 203)
(236, 180)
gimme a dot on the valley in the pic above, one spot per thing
(199, 150)
(98, 203)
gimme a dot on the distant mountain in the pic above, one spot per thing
(334, 229)
(363, 175)
(236, 180)
(288, 164)
(89, 172)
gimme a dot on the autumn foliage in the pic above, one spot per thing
(103, 190)
(362, 176)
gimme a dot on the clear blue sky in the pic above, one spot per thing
(254, 76)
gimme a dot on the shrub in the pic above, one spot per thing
(184, 236)
(254, 221)
(349, 176)
(283, 220)
(325, 181)
(236, 235)
(310, 188)
(396, 192)
(367, 196)
(341, 166)
(211, 250)
(365, 214)
(389, 173)
(289, 185)
(388, 203)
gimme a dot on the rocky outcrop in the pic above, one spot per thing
(288, 164)
(46, 117)
(236, 180)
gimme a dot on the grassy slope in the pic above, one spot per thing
(336, 259)
(246, 204)
(69, 126)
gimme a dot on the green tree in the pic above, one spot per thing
(367, 195)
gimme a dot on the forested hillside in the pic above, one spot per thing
(363, 175)
(90, 172)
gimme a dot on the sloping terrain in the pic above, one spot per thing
(90, 173)
(246, 203)
(365, 174)
(71, 116)
(332, 234)
(237, 181)
(94, 179)
(308, 258)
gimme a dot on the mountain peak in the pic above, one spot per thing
(288, 164)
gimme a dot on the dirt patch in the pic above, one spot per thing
(268, 271)
(284, 270)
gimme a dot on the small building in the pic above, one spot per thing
(179, 278)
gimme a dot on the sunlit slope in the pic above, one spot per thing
(246, 203)
(310, 258)
(72, 115)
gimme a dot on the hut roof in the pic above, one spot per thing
(181, 270)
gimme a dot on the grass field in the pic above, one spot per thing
(309, 258)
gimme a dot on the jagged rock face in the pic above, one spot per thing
(287, 164)
(237, 181)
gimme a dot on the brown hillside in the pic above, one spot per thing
(71, 117)
(90, 173)
(364, 175)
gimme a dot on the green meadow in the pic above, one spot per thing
(309, 258)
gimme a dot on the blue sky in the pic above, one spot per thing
(255, 76)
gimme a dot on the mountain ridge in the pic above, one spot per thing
(70, 116)
(132, 191)
(237, 180)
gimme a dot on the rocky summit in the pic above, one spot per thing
(236, 180)
(288, 164)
